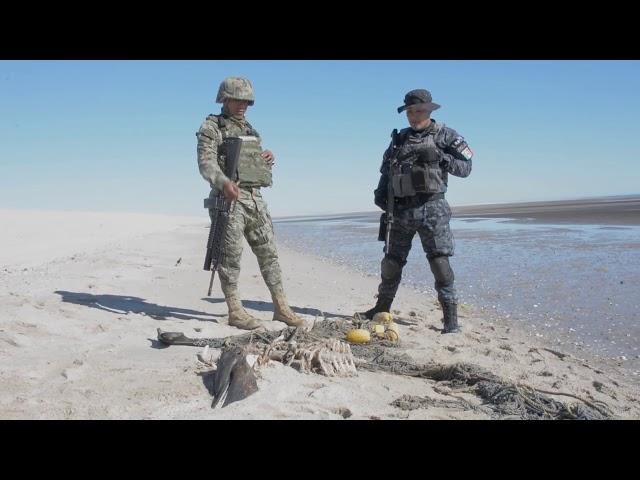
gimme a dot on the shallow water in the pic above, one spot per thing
(576, 285)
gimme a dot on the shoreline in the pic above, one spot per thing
(507, 321)
(77, 340)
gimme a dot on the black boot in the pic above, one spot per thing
(450, 320)
(382, 305)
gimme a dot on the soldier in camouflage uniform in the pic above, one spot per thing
(426, 154)
(249, 217)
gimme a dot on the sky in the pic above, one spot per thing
(119, 136)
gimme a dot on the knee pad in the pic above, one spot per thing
(441, 270)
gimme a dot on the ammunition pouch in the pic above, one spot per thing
(253, 170)
(417, 179)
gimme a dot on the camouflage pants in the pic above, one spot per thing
(431, 222)
(250, 219)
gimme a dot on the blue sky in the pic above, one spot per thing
(120, 135)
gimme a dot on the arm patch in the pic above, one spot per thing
(460, 146)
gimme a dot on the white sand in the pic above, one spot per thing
(88, 351)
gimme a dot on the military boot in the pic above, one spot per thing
(450, 317)
(238, 316)
(283, 313)
(382, 305)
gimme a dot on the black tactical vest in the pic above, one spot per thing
(417, 171)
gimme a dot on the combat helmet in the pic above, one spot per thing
(237, 88)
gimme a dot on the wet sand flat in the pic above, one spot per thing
(596, 211)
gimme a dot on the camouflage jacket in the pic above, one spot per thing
(209, 139)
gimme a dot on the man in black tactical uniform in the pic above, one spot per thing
(416, 166)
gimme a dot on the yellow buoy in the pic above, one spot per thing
(377, 330)
(382, 317)
(358, 335)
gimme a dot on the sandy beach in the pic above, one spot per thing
(82, 296)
